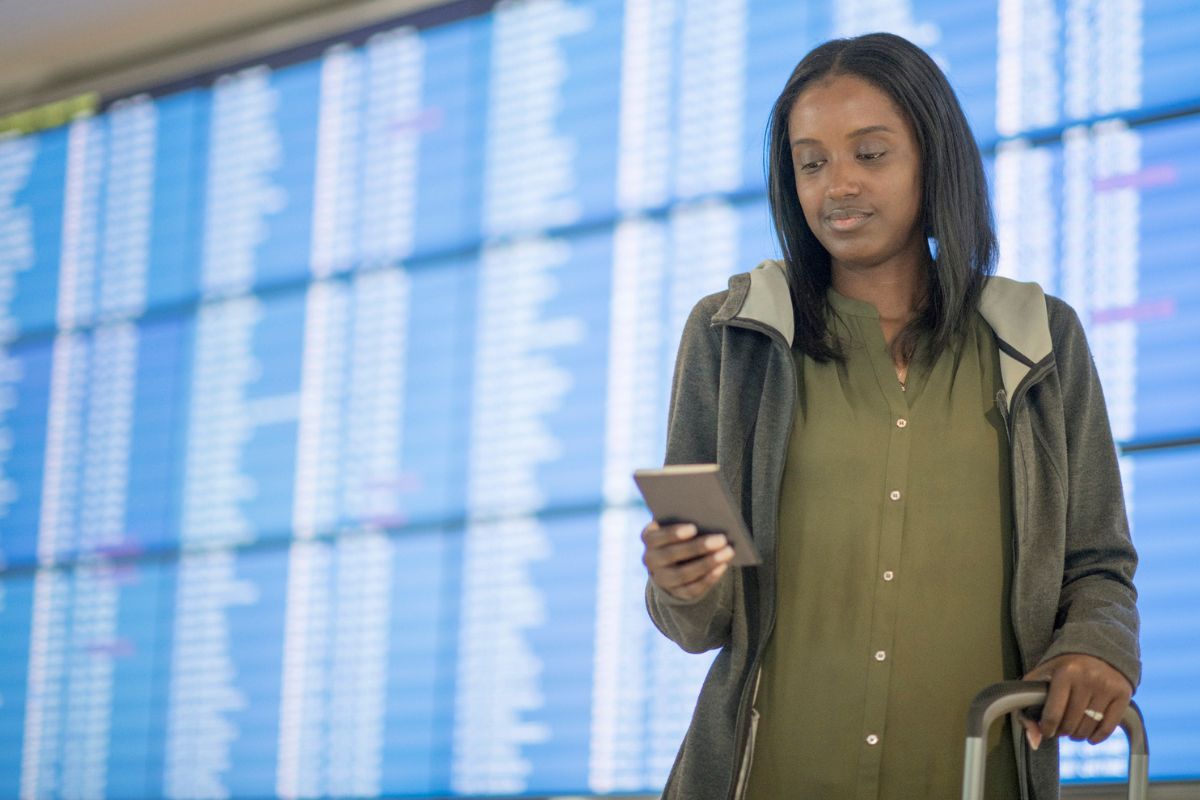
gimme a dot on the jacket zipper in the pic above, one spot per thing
(1018, 739)
(736, 787)
(1034, 376)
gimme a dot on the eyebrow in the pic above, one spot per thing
(851, 135)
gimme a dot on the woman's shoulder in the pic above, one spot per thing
(708, 305)
(1015, 295)
(727, 302)
(760, 296)
(1066, 327)
(1023, 310)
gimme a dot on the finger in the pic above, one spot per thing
(700, 587)
(655, 535)
(1112, 718)
(1075, 723)
(1055, 707)
(651, 529)
(1087, 724)
(675, 553)
(672, 578)
(1032, 732)
(669, 534)
(659, 537)
(693, 548)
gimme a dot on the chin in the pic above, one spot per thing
(854, 258)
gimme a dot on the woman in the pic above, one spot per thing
(922, 454)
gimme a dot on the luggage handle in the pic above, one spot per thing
(1002, 698)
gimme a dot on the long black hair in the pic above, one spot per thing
(955, 210)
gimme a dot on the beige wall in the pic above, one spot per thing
(50, 49)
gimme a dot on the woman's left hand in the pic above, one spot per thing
(1078, 683)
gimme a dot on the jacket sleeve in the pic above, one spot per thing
(1097, 612)
(704, 623)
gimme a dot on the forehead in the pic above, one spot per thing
(832, 107)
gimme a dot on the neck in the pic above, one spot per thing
(897, 292)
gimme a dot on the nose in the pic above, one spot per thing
(842, 179)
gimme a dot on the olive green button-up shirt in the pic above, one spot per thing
(894, 563)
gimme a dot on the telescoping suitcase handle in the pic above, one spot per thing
(1002, 698)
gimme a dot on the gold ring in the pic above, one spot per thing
(1096, 715)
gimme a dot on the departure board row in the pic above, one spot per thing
(323, 377)
(546, 115)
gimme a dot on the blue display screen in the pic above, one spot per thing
(322, 380)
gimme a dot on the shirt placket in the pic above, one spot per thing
(885, 606)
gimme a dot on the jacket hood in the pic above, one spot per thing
(1016, 311)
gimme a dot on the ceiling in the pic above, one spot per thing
(54, 48)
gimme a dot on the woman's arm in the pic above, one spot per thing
(1093, 661)
(1097, 608)
(700, 623)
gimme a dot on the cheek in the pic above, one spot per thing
(914, 195)
(915, 206)
(810, 201)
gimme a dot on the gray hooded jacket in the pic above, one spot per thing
(732, 403)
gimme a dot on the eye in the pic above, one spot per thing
(811, 166)
(874, 156)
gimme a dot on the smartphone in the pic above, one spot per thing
(697, 493)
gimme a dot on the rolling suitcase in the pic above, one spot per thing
(1002, 698)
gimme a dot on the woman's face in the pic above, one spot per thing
(858, 175)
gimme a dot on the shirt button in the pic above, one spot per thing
(880, 655)
(872, 739)
(895, 495)
(901, 423)
(888, 575)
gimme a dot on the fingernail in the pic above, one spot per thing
(1035, 739)
(714, 542)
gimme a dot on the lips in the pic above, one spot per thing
(847, 219)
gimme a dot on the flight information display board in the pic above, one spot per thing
(322, 379)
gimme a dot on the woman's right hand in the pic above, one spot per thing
(681, 563)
